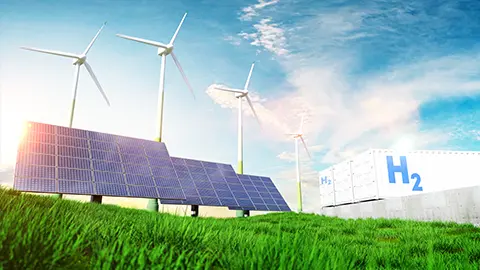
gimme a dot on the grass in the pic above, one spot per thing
(39, 232)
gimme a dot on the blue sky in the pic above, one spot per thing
(366, 74)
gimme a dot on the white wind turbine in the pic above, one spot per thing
(240, 94)
(78, 60)
(299, 136)
(163, 50)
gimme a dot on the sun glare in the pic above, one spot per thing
(12, 133)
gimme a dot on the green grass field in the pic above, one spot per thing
(40, 232)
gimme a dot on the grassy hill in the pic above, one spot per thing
(43, 233)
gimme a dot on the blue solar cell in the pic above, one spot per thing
(106, 155)
(29, 171)
(131, 150)
(111, 190)
(224, 193)
(139, 180)
(232, 180)
(137, 169)
(196, 170)
(74, 163)
(155, 153)
(243, 177)
(36, 159)
(108, 177)
(212, 201)
(183, 175)
(72, 132)
(143, 192)
(35, 185)
(262, 207)
(213, 171)
(154, 146)
(126, 143)
(73, 152)
(217, 179)
(257, 200)
(250, 188)
(225, 167)
(72, 142)
(163, 172)
(220, 186)
(207, 192)
(279, 201)
(40, 148)
(246, 182)
(272, 207)
(134, 159)
(200, 177)
(234, 187)
(254, 194)
(245, 202)
(40, 138)
(240, 194)
(167, 182)
(104, 146)
(193, 163)
(205, 185)
(190, 192)
(261, 188)
(107, 166)
(228, 201)
(193, 201)
(178, 161)
(276, 196)
(75, 187)
(230, 174)
(182, 168)
(170, 192)
(284, 208)
(210, 165)
(97, 136)
(74, 174)
(268, 200)
(160, 162)
(186, 183)
(32, 127)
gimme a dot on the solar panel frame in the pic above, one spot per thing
(76, 157)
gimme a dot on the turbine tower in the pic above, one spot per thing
(78, 61)
(163, 50)
(240, 94)
(299, 136)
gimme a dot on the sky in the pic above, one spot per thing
(365, 75)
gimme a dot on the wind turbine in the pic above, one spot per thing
(163, 50)
(299, 136)
(78, 61)
(240, 94)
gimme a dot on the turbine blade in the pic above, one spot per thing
(238, 91)
(178, 29)
(183, 73)
(89, 69)
(247, 83)
(59, 53)
(300, 130)
(93, 40)
(305, 146)
(253, 110)
(145, 41)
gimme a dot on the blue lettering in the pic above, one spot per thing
(417, 186)
(402, 168)
(325, 180)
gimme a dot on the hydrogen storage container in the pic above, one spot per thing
(383, 173)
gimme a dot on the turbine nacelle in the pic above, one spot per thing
(80, 60)
(165, 51)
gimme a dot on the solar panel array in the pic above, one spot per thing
(217, 184)
(55, 159)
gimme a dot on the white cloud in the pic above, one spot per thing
(233, 40)
(251, 11)
(267, 35)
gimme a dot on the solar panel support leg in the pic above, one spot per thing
(96, 199)
(246, 213)
(194, 210)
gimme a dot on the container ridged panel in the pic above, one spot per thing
(55, 159)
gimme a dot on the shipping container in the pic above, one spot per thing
(382, 173)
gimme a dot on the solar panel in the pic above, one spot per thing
(56, 159)
(217, 184)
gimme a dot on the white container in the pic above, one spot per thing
(381, 173)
